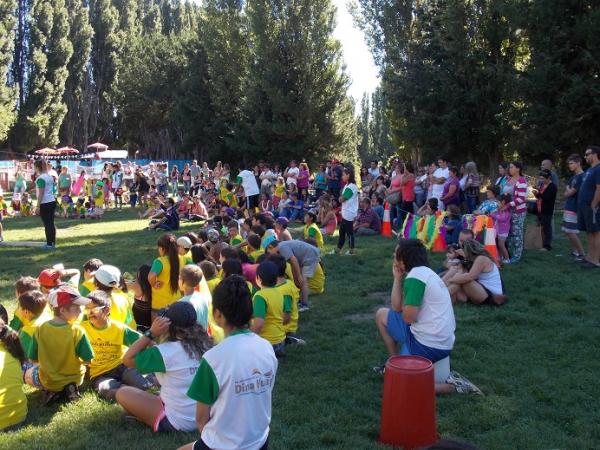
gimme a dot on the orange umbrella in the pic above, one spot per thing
(46, 151)
(68, 151)
(98, 146)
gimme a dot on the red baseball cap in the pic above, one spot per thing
(65, 295)
(49, 278)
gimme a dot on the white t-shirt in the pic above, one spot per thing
(249, 183)
(292, 171)
(374, 172)
(236, 379)
(174, 383)
(350, 206)
(47, 182)
(438, 189)
(117, 179)
(435, 323)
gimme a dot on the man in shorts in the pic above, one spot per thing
(588, 213)
(569, 224)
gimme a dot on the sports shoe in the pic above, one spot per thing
(349, 253)
(505, 261)
(49, 247)
(293, 340)
(379, 369)
(513, 260)
(334, 252)
(462, 384)
(71, 392)
(48, 397)
(302, 307)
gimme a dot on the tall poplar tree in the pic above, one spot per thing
(7, 93)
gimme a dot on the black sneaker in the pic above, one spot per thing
(48, 397)
(71, 392)
(379, 369)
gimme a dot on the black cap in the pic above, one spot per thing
(545, 173)
(181, 314)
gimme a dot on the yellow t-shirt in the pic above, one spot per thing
(316, 284)
(61, 349)
(255, 254)
(87, 286)
(279, 190)
(313, 231)
(270, 304)
(13, 403)
(212, 283)
(289, 289)
(109, 345)
(18, 321)
(99, 199)
(236, 240)
(27, 332)
(120, 308)
(163, 297)
(214, 330)
(289, 274)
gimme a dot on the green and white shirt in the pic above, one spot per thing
(236, 379)
(350, 206)
(174, 370)
(435, 323)
(45, 182)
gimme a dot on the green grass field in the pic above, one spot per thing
(534, 358)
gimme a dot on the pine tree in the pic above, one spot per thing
(41, 115)
(74, 127)
(364, 132)
(7, 93)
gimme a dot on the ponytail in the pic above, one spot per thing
(10, 339)
(168, 243)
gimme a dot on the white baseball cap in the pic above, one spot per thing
(184, 242)
(108, 275)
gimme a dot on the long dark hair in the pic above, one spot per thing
(142, 279)
(200, 253)
(351, 176)
(168, 243)
(12, 343)
(194, 339)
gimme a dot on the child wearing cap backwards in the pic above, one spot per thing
(242, 364)
(184, 244)
(13, 402)
(283, 234)
(189, 281)
(61, 348)
(22, 285)
(107, 279)
(271, 310)
(89, 269)
(109, 340)
(174, 361)
(312, 230)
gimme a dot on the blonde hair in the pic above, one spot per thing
(473, 248)
(471, 167)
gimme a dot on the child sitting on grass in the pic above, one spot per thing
(13, 402)
(233, 231)
(453, 224)
(61, 348)
(107, 279)
(109, 340)
(271, 309)
(289, 290)
(254, 247)
(174, 361)
(312, 230)
(32, 306)
(281, 228)
(430, 207)
(184, 246)
(190, 277)
(241, 356)
(89, 269)
(22, 285)
(209, 269)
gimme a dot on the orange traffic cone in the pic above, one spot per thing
(490, 239)
(386, 227)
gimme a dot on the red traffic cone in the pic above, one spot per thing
(386, 227)
(490, 239)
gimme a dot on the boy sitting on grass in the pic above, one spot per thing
(32, 306)
(61, 348)
(254, 247)
(209, 271)
(184, 245)
(107, 278)
(271, 309)
(109, 340)
(190, 277)
(89, 269)
(22, 285)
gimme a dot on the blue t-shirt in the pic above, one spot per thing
(574, 182)
(200, 303)
(335, 184)
(452, 235)
(591, 179)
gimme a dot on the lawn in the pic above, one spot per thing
(533, 358)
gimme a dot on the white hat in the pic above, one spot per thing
(184, 242)
(108, 276)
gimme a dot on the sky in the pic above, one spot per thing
(357, 56)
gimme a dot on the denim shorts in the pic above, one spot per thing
(399, 330)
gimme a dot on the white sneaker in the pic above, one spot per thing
(462, 384)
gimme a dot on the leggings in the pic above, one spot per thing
(346, 227)
(515, 237)
(47, 216)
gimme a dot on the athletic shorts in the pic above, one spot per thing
(308, 271)
(569, 223)
(587, 219)
(161, 423)
(399, 330)
(200, 445)
(252, 201)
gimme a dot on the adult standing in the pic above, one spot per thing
(438, 179)
(266, 178)
(334, 178)
(569, 224)
(303, 180)
(517, 187)
(217, 171)
(503, 177)
(548, 165)
(64, 181)
(195, 177)
(186, 177)
(248, 181)
(20, 183)
(291, 174)
(226, 174)
(588, 213)
(472, 184)
(320, 182)
(174, 177)
(46, 201)
(349, 201)
(374, 170)
(408, 192)
(117, 185)
(393, 196)
(451, 190)
(305, 260)
(546, 197)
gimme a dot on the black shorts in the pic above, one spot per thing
(588, 220)
(200, 445)
(252, 201)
